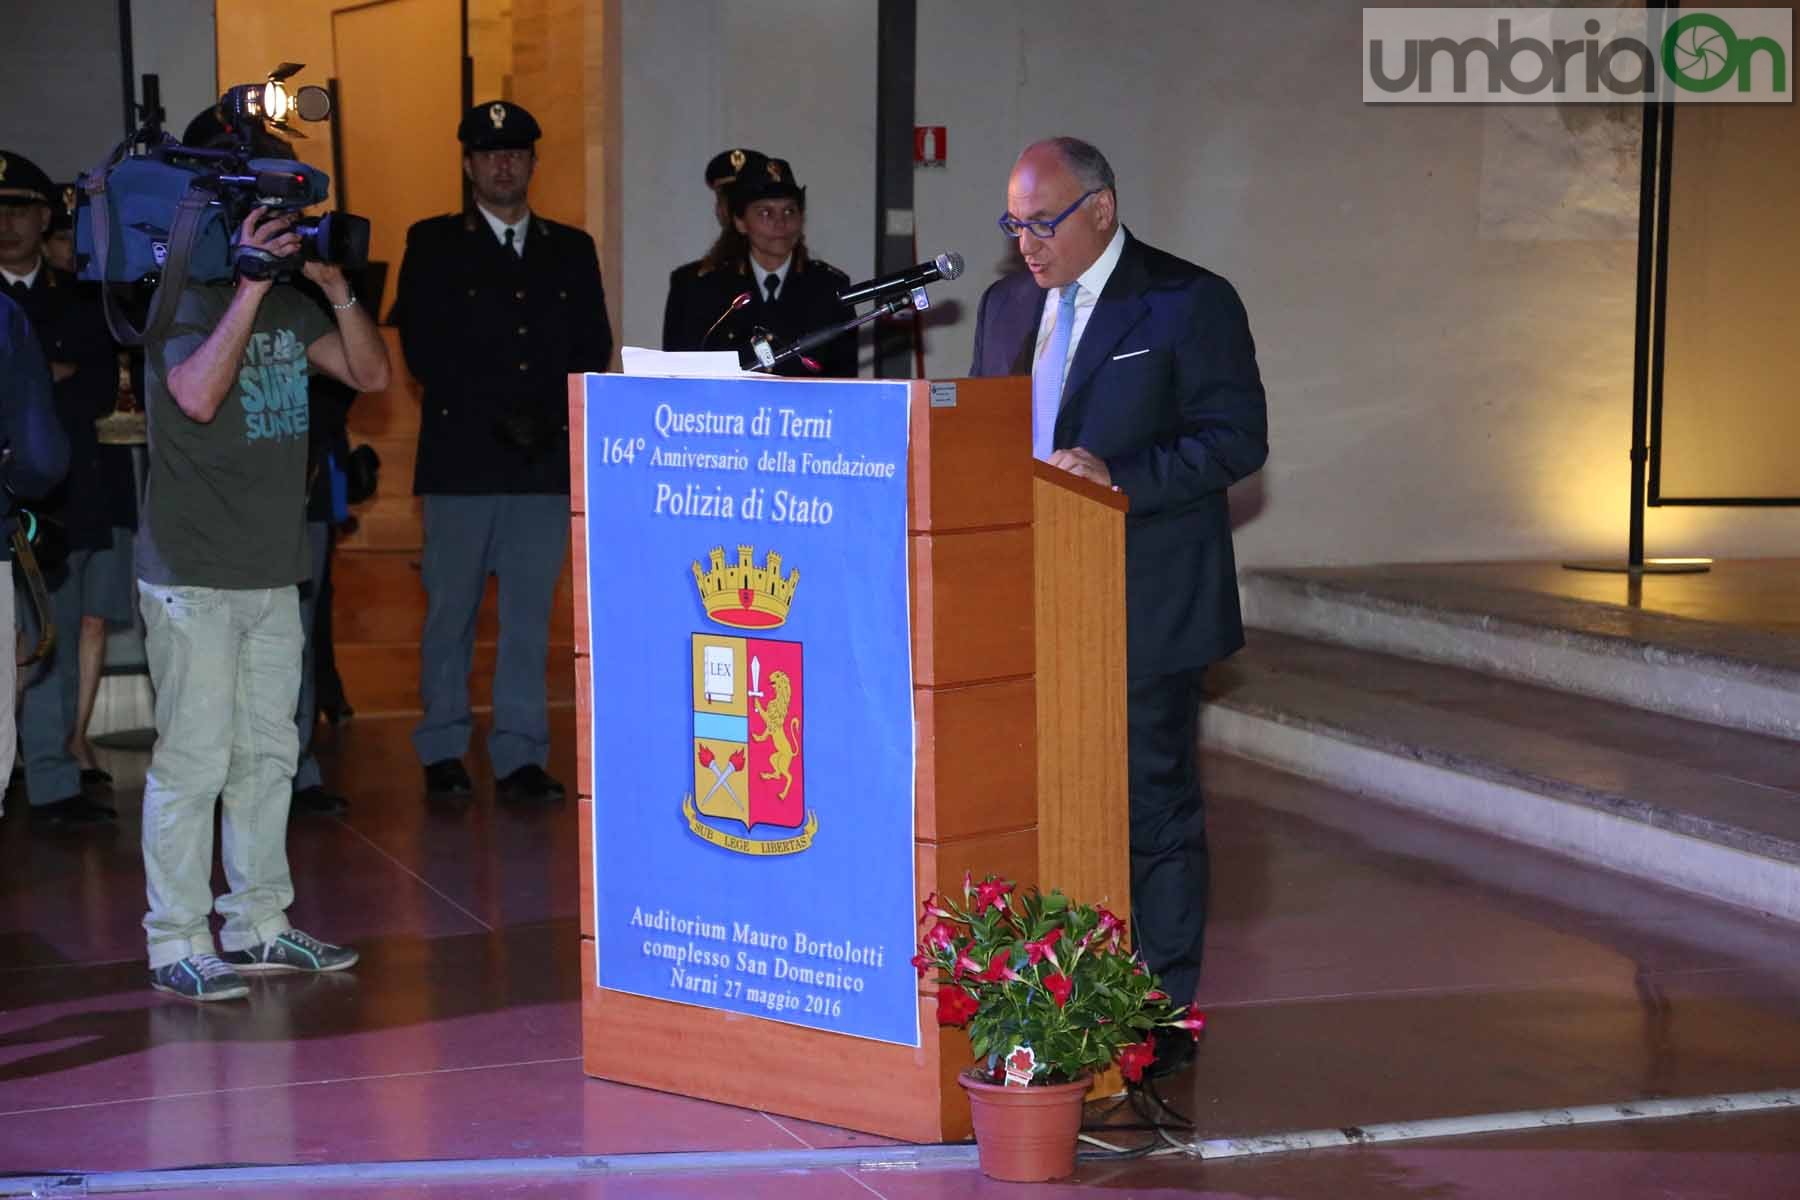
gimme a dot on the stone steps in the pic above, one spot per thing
(1707, 809)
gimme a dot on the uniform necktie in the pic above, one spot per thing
(773, 284)
(510, 243)
(1047, 376)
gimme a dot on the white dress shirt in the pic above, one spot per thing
(500, 227)
(28, 279)
(1093, 282)
(763, 273)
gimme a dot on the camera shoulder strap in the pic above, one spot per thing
(188, 216)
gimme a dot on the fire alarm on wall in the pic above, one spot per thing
(930, 145)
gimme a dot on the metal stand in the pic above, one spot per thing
(768, 358)
(1653, 233)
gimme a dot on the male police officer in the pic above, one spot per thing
(91, 588)
(496, 307)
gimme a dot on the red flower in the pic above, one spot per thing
(941, 936)
(989, 894)
(706, 755)
(1059, 987)
(922, 964)
(1156, 994)
(955, 1006)
(964, 964)
(932, 908)
(968, 886)
(1133, 1059)
(1194, 1023)
(1000, 969)
(1038, 951)
(737, 760)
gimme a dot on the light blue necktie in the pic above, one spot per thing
(1047, 376)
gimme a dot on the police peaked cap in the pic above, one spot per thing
(24, 182)
(768, 180)
(62, 207)
(498, 125)
(727, 165)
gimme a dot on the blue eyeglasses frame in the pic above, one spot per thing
(1012, 227)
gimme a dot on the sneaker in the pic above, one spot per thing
(292, 950)
(199, 977)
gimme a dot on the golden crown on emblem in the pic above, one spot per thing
(744, 595)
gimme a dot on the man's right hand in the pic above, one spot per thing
(271, 233)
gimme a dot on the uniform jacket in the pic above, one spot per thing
(71, 329)
(806, 302)
(493, 337)
(1165, 389)
(28, 424)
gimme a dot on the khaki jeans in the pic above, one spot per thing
(226, 668)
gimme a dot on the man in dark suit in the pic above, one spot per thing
(1144, 379)
(497, 307)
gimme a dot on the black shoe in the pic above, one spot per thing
(96, 779)
(1174, 1053)
(317, 800)
(337, 714)
(447, 777)
(73, 810)
(530, 783)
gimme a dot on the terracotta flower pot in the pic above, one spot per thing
(1025, 1134)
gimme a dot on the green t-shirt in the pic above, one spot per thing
(226, 501)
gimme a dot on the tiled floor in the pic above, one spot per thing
(1364, 966)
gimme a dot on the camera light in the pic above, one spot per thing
(275, 103)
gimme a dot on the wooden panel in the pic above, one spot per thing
(379, 597)
(1013, 854)
(972, 606)
(577, 444)
(576, 609)
(970, 464)
(393, 413)
(580, 669)
(383, 679)
(772, 1067)
(1081, 749)
(396, 181)
(977, 758)
(584, 840)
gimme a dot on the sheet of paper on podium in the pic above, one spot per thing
(639, 360)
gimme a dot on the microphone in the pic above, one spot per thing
(743, 298)
(944, 266)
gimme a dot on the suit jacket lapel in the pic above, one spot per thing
(1021, 331)
(1121, 306)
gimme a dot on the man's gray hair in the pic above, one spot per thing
(1086, 163)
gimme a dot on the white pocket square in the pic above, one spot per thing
(1131, 354)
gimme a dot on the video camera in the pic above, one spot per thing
(158, 209)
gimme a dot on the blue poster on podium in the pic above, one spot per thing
(752, 698)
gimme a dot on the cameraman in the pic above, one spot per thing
(221, 547)
(34, 452)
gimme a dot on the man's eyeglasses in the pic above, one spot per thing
(1012, 227)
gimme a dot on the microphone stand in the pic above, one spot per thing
(767, 358)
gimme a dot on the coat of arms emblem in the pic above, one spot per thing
(749, 707)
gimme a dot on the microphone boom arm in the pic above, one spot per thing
(915, 299)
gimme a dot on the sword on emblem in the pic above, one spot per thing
(755, 676)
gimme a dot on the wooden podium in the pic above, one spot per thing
(1018, 615)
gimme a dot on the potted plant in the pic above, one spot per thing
(1049, 995)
